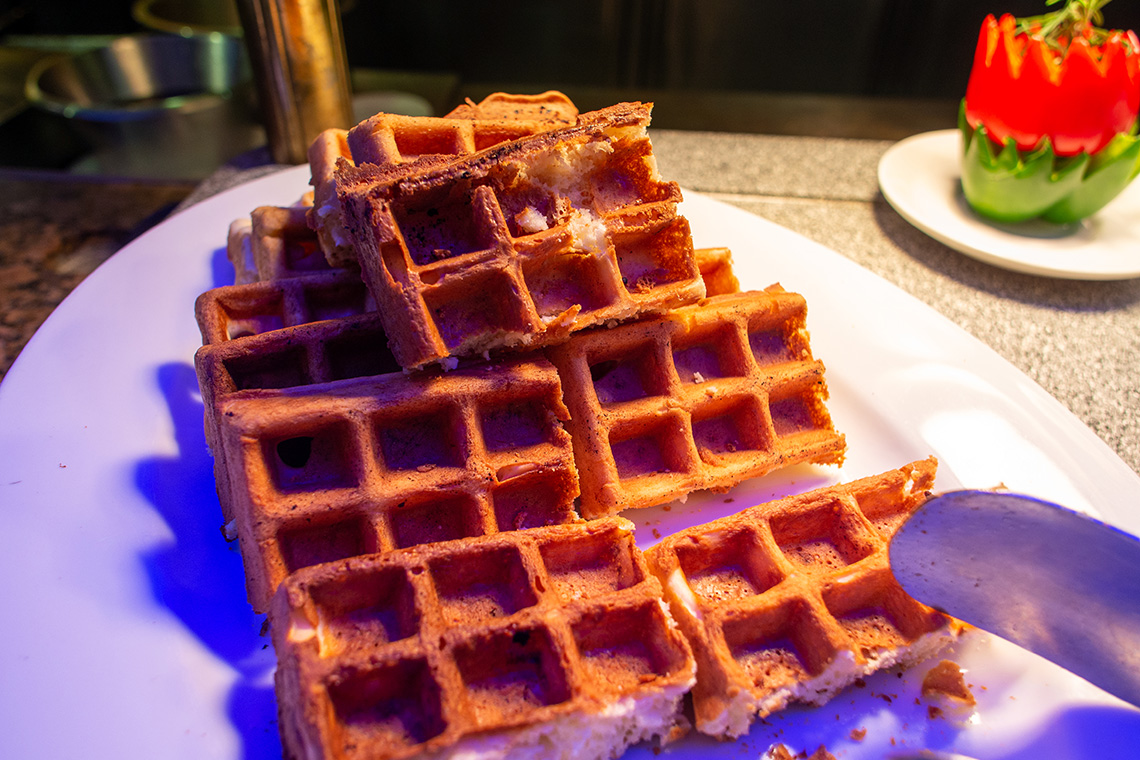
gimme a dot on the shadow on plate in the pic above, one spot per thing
(222, 271)
(199, 576)
(1083, 731)
(1070, 295)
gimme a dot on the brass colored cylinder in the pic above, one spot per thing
(296, 48)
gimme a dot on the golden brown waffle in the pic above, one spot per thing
(274, 243)
(322, 451)
(545, 642)
(701, 398)
(549, 107)
(252, 308)
(283, 251)
(388, 139)
(255, 305)
(715, 265)
(793, 600)
(523, 244)
(275, 252)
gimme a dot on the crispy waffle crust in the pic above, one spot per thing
(550, 107)
(259, 305)
(322, 454)
(700, 398)
(521, 244)
(715, 265)
(390, 139)
(793, 600)
(552, 641)
(274, 243)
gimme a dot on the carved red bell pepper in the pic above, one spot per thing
(1055, 99)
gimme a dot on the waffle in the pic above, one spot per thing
(253, 308)
(523, 244)
(701, 398)
(274, 243)
(388, 139)
(322, 451)
(715, 266)
(552, 642)
(257, 304)
(551, 106)
(793, 600)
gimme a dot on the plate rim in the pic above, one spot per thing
(259, 189)
(888, 173)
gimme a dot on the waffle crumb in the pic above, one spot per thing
(781, 752)
(945, 680)
(946, 690)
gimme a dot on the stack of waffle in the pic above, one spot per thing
(437, 379)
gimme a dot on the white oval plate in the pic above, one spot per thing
(126, 631)
(920, 178)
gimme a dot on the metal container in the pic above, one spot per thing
(154, 105)
(188, 17)
(301, 68)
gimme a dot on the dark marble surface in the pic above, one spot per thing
(54, 230)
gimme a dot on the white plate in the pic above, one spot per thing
(920, 177)
(127, 634)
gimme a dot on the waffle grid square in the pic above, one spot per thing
(359, 465)
(479, 631)
(393, 139)
(703, 397)
(794, 599)
(459, 254)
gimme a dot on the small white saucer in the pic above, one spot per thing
(919, 177)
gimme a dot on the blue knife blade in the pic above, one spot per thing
(1052, 580)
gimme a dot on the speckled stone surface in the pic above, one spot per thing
(54, 231)
(786, 167)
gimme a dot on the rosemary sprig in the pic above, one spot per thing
(1079, 18)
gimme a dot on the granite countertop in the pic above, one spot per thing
(55, 229)
(1078, 340)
